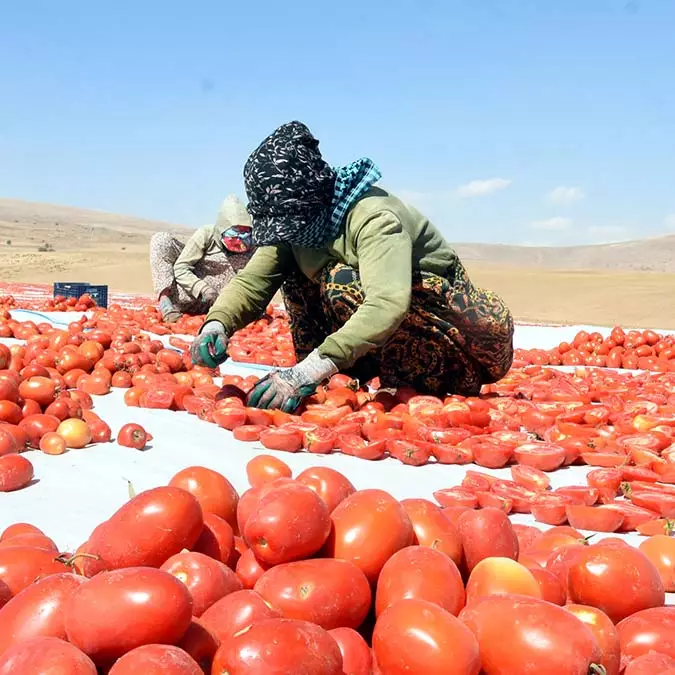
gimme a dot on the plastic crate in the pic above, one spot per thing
(72, 289)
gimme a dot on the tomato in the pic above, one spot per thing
(250, 569)
(431, 528)
(200, 644)
(216, 539)
(75, 432)
(332, 486)
(10, 412)
(142, 606)
(212, 490)
(550, 587)
(8, 442)
(46, 655)
(132, 436)
(33, 540)
(19, 529)
(265, 468)
(486, 533)
(236, 611)
(417, 637)
(156, 660)
(280, 646)
(207, 579)
(356, 655)
(530, 478)
(517, 634)
(598, 571)
(42, 390)
(36, 426)
(288, 523)
(20, 566)
(146, 531)
(605, 634)
(248, 432)
(38, 610)
(16, 472)
(550, 508)
(649, 630)
(596, 518)
(288, 440)
(542, 456)
(660, 549)
(369, 526)
(100, 431)
(648, 664)
(503, 576)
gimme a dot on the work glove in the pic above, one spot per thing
(285, 389)
(209, 295)
(209, 348)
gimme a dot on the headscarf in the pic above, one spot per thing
(234, 225)
(294, 196)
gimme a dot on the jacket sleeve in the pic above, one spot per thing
(194, 251)
(384, 252)
(246, 297)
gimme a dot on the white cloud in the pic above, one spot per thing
(479, 188)
(557, 223)
(670, 221)
(564, 194)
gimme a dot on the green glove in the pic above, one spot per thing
(209, 348)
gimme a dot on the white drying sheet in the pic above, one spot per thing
(74, 492)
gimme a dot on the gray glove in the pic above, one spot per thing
(209, 348)
(285, 389)
(209, 295)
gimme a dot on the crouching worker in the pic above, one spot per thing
(187, 278)
(370, 285)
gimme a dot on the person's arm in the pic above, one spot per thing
(183, 268)
(246, 297)
(384, 251)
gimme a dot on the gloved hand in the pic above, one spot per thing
(285, 389)
(209, 295)
(209, 348)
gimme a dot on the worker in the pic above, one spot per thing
(187, 278)
(370, 285)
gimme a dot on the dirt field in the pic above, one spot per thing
(110, 249)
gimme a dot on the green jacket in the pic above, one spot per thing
(385, 239)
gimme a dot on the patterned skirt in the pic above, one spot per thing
(455, 338)
(216, 270)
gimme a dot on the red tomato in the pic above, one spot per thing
(660, 549)
(530, 478)
(216, 539)
(156, 660)
(146, 531)
(422, 573)
(18, 529)
(36, 426)
(414, 637)
(368, 528)
(646, 631)
(16, 472)
(248, 432)
(265, 468)
(332, 486)
(46, 655)
(236, 611)
(517, 634)
(288, 523)
(542, 456)
(356, 655)
(604, 633)
(42, 390)
(433, 529)
(132, 436)
(200, 644)
(142, 606)
(8, 443)
(208, 580)
(250, 569)
(550, 587)
(38, 610)
(280, 646)
(288, 440)
(20, 566)
(598, 571)
(486, 533)
(649, 664)
(10, 412)
(329, 593)
(212, 490)
(595, 518)
(500, 576)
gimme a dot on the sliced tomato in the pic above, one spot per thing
(530, 478)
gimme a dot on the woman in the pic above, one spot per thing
(370, 285)
(187, 278)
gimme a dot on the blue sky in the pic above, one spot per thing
(515, 121)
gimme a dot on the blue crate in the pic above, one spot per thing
(74, 289)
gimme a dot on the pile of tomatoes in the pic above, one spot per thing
(309, 575)
(633, 350)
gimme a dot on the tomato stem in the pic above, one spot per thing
(597, 669)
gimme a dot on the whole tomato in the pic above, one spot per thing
(486, 533)
(649, 630)
(265, 468)
(146, 531)
(20, 566)
(8, 443)
(605, 634)
(329, 593)
(36, 426)
(142, 605)
(660, 549)
(289, 523)
(332, 486)
(38, 610)
(42, 390)
(249, 569)
(132, 436)
(156, 660)
(75, 432)
(16, 472)
(415, 637)
(216, 539)
(208, 580)
(279, 646)
(651, 664)
(369, 526)
(499, 576)
(518, 634)
(356, 655)
(236, 611)
(421, 573)
(200, 644)
(45, 655)
(212, 490)
(598, 571)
